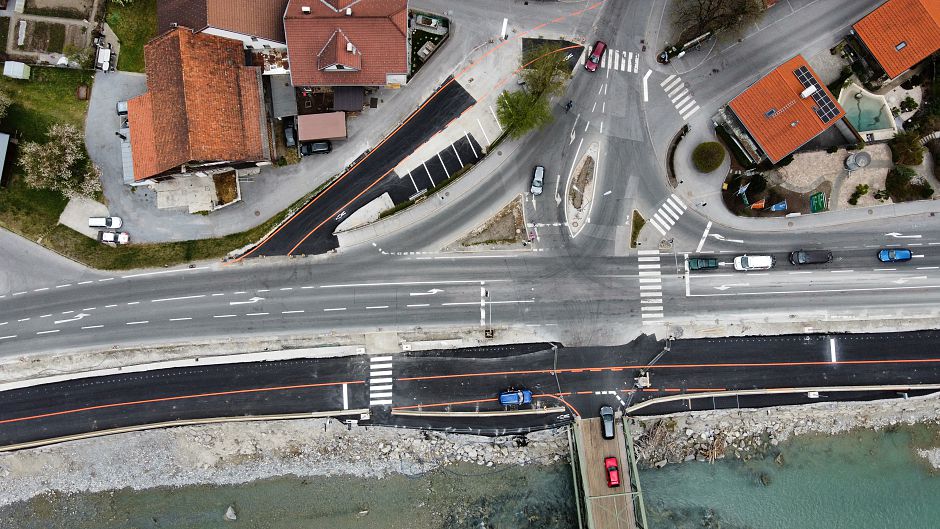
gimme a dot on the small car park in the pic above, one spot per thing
(111, 223)
(114, 237)
(594, 59)
(807, 257)
(613, 471)
(894, 255)
(315, 147)
(538, 179)
(607, 422)
(746, 262)
(515, 397)
(702, 263)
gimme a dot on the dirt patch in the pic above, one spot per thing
(226, 187)
(506, 227)
(54, 38)
(796, 202)
(584, 178)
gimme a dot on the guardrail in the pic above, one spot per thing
(500, 413)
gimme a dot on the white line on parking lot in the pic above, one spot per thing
(454, 147)
(472, 148)
(444, 165)
(487, 138)
(413, 183)
(496, 118)
(426, 170)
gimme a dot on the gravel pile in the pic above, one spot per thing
(748, 433)
(234, 453)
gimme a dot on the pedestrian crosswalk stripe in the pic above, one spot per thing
(677, 201)
(690, 112)
(666, 80)
(380, 358)
(651, 309)
(647, 252)
(657, 226)
(669, 208)
(681, 92)
(686, 106)
(663, 219)
(648, 259)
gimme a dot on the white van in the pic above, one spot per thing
(112, 223)
(754, 262)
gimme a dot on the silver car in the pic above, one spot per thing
(537, 179)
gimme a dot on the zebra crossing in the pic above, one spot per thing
(668, 214)
(380, 380)
(617, 60)
(680, 96)
(651, 287)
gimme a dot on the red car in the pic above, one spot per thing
(613, 471)
(594, 59)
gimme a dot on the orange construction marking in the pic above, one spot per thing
(395, 131)
(178, 397)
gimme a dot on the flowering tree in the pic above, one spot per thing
(60, 164)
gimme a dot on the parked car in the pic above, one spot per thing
(702, 263)
(114, 237)
(607, 422)
(122, 108)
(594, 59)
(538, 178)
(613, 471)
(805, 257)
(894, 255)
(112, 223)
(315, 147)
(754, 262)
(290, 137)
(515, 397)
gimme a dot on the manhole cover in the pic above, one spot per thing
(257, 213)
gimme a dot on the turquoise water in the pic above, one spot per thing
(868, 113)
(860, 480)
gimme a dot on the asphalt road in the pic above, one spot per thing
(581, 379)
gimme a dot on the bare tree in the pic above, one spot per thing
(60, 164)
(695, 17)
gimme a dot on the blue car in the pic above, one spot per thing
(515, 397)
(895, 255)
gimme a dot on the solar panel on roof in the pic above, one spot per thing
(825, 107)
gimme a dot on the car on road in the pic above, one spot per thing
(315, 147)
(894, 255)
(594, 59)
(114, 237)
(607, 422)
(111, 223)
(515, 397)
(754, 262)
(538, 178)
(805, 257)
(702, 263)
(613, 471)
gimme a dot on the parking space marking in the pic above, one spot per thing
(472, 148)
(487, 138)
(444, 165)
(413, 183)
(429, 173)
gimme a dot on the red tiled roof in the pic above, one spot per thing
(316, 42)
(916, 23)
(202, 104)
(793, 121)
(257, 18)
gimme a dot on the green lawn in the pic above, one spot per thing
(47, 98)
(134, 25)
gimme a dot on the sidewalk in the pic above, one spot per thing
(696, 188)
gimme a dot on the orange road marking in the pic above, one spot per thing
(395, 131)
(178, 397)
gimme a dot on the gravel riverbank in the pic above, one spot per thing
(748, 433)
(232, 453)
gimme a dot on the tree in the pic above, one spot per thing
(708, 156)
(695, 17)
(5, 102)
(546, 70)
(907, 148)
(60, 164)
(520, 112)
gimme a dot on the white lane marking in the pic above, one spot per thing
(180, 319)
(7, 337)
(85, 282)
(377, 307)
(158, 273)
(832, 350)
(840, 271)
(795, 273)
(413, 183)
(292, 312)
(345, 397)
(287, 288)
(257, 314)
(24, 319)
(219, 294)
(928, 267)
(636, 64)
(502, 32)
(45, 315)
(133, 303)
(177, 299)
(41, 289)
(4, 323)
(77, 317)
(419, 305)
(411, 283)
(225, 316)
(48, 332)
(19, 293)
(106, 279)
(263, 290)
(63, 286)
(334, 309)
(106, 306)
(92, 327)
(137, 322)
(701, 241)
(249, 301)
(885, 269)
(646, 92)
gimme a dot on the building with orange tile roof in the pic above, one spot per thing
(259, 24)
(899, 34)
(347, 42)
(203, 108)
(782, 111)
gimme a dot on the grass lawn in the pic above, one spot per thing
(635, 227)
(134, 25)
(46, 99)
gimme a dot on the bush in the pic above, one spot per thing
(908, 104)
(907, 149)
(708, 156)
(934, 147)
(757, 185)
(860, 191)
(899, 187)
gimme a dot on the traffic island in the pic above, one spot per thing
(504, 229)
(579, 191)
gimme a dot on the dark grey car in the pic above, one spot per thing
(607, 422)
(805, 257)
